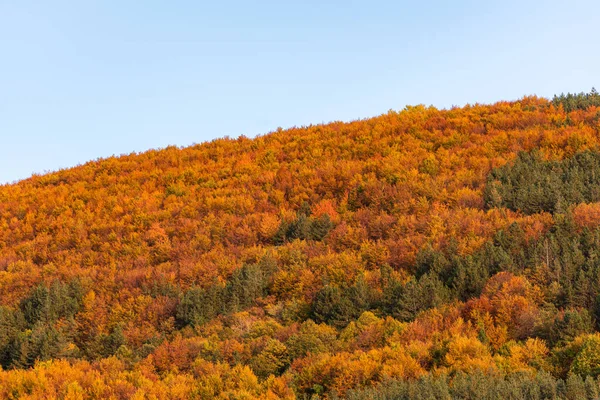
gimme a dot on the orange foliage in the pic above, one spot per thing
(139, 230)
(587, 215)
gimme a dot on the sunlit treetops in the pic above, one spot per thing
(424, 249)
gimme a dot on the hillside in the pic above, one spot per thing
(451, 252)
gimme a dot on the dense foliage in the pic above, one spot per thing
(577, 101)
(432, 253)
(532, 184)
(479, 386)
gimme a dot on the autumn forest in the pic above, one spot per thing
(426, 253)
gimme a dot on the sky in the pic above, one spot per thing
(84, 79)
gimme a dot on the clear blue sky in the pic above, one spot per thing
(86, 79)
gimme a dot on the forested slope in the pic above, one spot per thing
(421, 251)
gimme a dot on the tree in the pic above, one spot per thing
(587, 361)
(405, 301)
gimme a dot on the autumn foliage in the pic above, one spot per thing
(440, 248)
